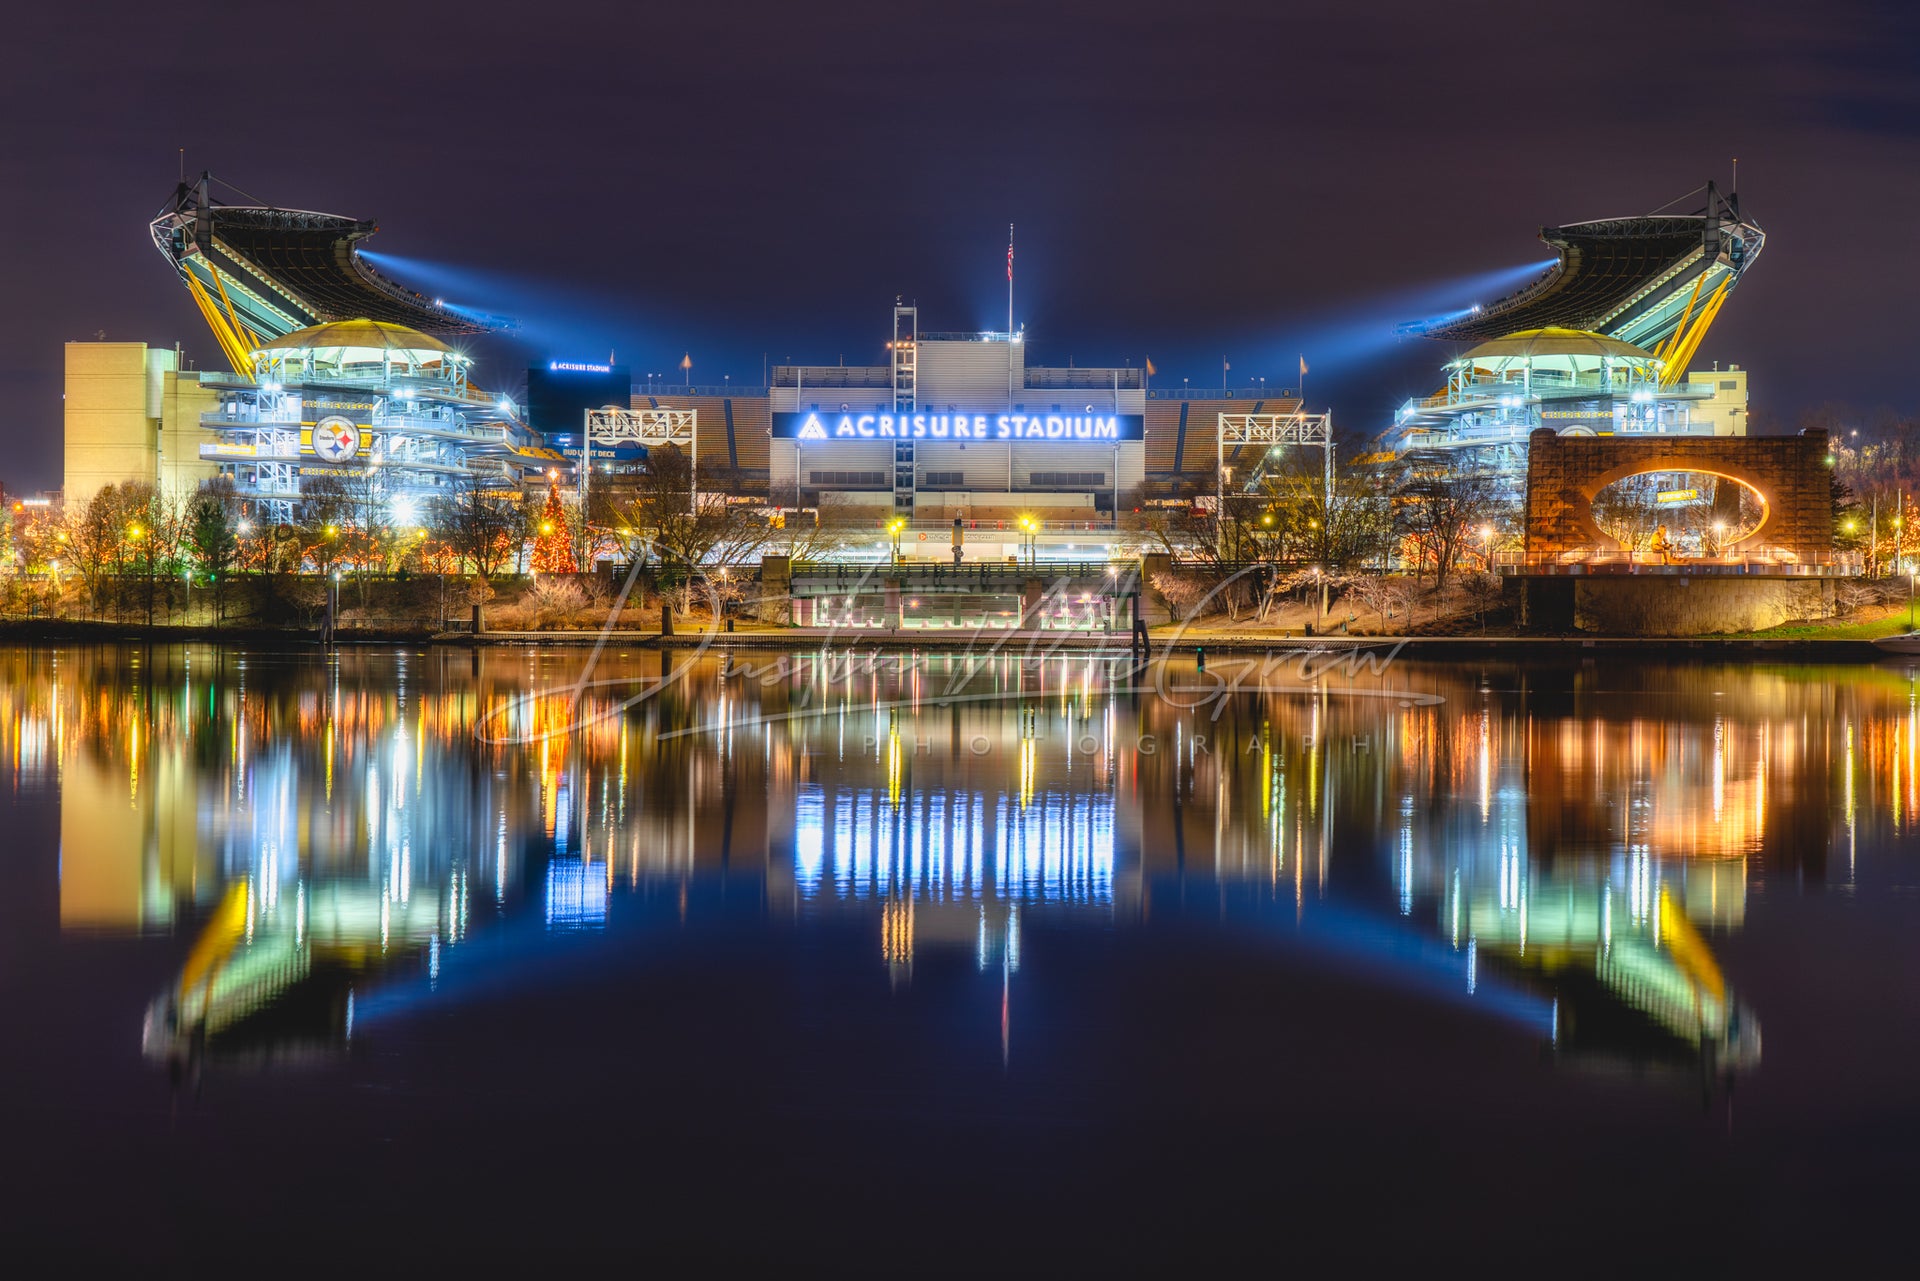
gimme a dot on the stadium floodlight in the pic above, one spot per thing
(506, 406)
(404, 511)
(271, 387)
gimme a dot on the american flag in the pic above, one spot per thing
(1009, 253)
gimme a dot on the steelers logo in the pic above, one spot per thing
(335, 439)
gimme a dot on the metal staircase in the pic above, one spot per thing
(906, 354)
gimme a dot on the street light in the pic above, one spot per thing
(895, 527)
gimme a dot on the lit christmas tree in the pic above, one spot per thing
(553, 539)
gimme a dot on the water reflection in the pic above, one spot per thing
(1559, 846)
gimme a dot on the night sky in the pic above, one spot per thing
(1190, 181)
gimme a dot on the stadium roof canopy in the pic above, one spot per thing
(1532, 343)
(370, 335)
(357, 350)
(1654, 281)
(259, 273)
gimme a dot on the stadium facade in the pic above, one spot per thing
(378, 404)
(1598, 345)
(962, 440)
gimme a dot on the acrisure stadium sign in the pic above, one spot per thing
(1101, 428)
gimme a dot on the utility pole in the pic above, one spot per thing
(1873, 550)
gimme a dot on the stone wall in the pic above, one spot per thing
(1705, 605)
(1564, 473)
(775, 604)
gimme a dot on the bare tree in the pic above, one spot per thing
(367, 537)
(1442, 507)
(711, 533)
(1628, 512)
(95, 540)
(1387, 596)
(321, 519)
(481, 526)
(818, 535)
(1486, 589)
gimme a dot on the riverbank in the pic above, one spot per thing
(1804, 644)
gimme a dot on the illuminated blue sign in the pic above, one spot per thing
(1089, 427)
(577, 367)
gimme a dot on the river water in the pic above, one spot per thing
(395, 959)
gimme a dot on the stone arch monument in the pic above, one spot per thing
(1790, 474)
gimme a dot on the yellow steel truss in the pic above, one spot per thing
(1676, 366)
(236, 341)
(239, 326)
(1673, 339)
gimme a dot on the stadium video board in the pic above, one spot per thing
(560, 392)
(1092, 428)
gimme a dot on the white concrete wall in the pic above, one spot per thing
(969, 375)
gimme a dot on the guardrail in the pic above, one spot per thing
(935, 571)
(1220, 393)
(1594, 567)
(1009, 525)
(668, 390)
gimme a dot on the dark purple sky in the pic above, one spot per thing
(1190, 180)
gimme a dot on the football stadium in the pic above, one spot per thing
(963, 443)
